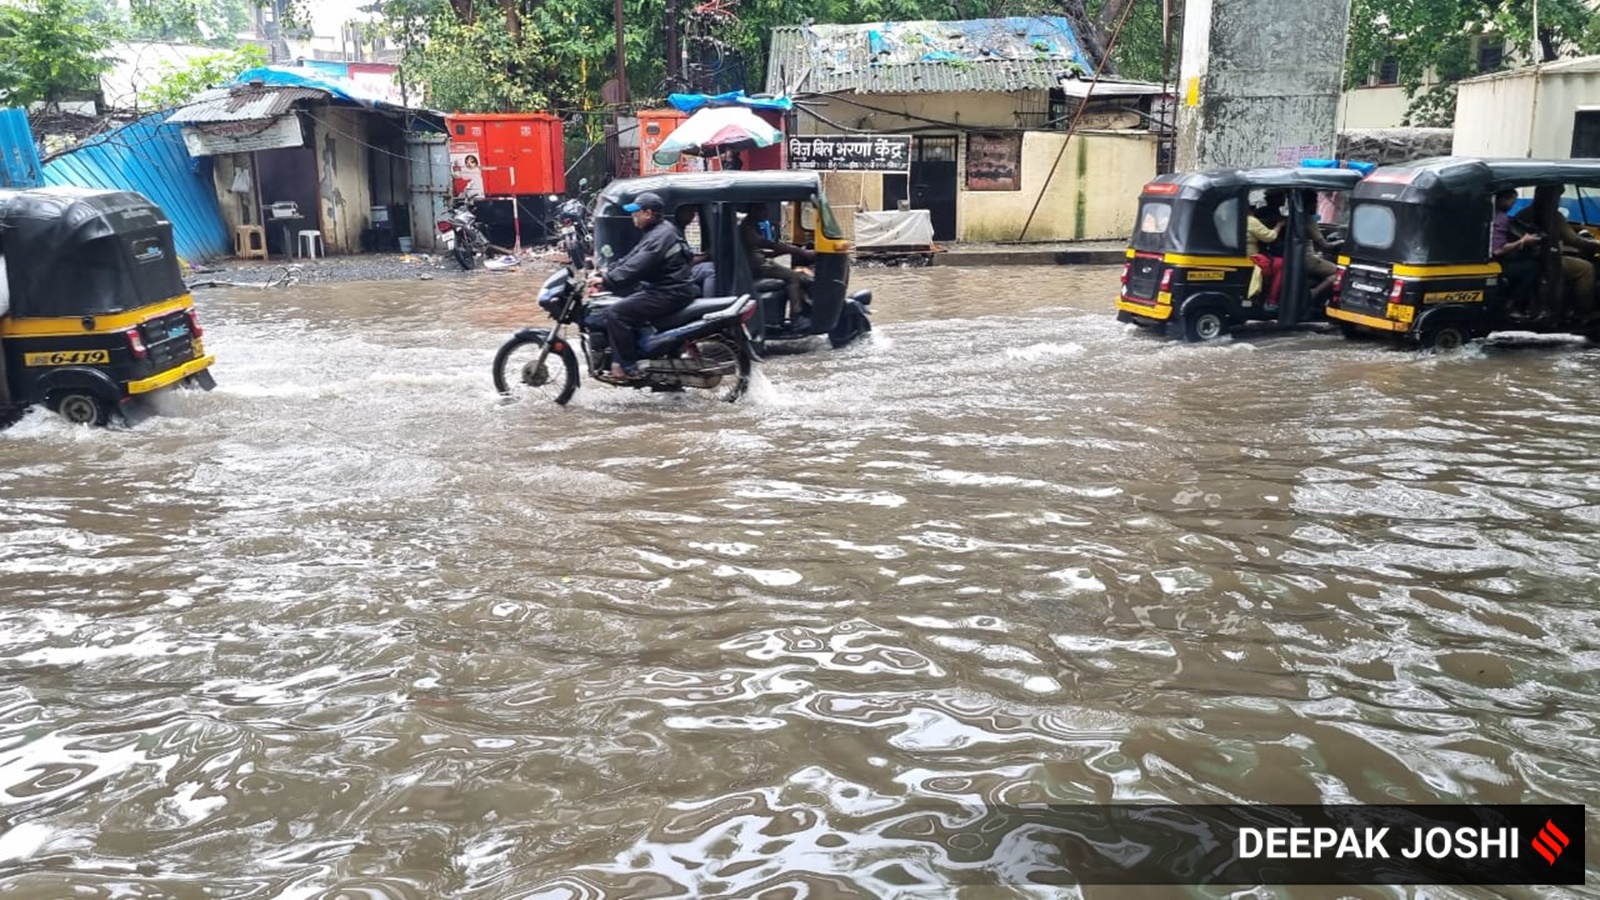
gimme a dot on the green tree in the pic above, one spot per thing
(1433, 39)
(179, 84)
(49, 51)
(513, 55)
(215, 22)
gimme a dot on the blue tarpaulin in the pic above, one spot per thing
(690, 102)
(1365, 168)
(340, 88)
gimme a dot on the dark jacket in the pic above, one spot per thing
(659, 264)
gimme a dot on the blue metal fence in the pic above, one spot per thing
(19, 158)
(149, 156)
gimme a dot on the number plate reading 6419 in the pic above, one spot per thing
(67, 358)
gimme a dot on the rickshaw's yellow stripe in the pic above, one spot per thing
(1178, 259)
(72, 326)
(1148, 312)
(1369, 321)
(1405, 271)
(170, 376)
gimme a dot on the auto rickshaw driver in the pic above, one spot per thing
(763, 266)
(1578, 273)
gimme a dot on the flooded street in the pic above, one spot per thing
(349, 627)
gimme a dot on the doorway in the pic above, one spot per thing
(933, 182)
(288, 176)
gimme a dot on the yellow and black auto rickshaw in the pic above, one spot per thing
(1188, 266)
(1420, 264)
(711, 207)
(94, 312)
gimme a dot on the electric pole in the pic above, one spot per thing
(622, 65)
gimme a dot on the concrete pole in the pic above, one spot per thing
(1259, 82)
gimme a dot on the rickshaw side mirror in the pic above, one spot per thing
(606, 252)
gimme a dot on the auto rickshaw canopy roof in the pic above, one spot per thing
(694, 188)
(1429, 180)
(45, 235)
(1199, 185)
(36, 221)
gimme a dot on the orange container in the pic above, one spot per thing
(520, 153)
(654, 126)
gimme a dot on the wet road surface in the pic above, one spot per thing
(349, 627)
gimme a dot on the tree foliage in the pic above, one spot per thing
(511, 55)
(1432, 41)
(178, 84)
(216, 22)
(50, 51)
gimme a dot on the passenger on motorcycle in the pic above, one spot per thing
(656, 273)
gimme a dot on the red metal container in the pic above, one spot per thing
(520, 153)
(654, 126)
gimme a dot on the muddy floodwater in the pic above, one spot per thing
(349, 627)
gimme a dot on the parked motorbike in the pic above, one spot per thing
(706, 345)
(463, 239)
(577, 238)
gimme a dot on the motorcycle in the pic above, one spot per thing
(463, 239)
(705, 345)
(577, 240)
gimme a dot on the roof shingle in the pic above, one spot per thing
(924, 56)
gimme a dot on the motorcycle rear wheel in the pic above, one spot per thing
(517, 377)
(719, 349)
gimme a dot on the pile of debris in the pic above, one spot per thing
(1391, 146)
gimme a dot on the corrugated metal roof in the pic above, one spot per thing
(242, 102)
(1579, 65)
(19, 156)
(148, 156)
(1020, 53)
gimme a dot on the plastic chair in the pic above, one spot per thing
(310, 244)
(250, 242)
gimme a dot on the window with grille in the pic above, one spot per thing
(1389, 71)
(1491, 53)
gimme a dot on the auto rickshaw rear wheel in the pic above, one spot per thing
(82, 407)
(1204, 325)
(1443, 337)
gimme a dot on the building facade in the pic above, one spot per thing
(987, 105)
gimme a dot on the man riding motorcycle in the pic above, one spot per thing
(656, 271)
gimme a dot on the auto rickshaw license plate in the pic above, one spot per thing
(67, 358)
(1401, 312)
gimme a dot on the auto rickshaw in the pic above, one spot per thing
(1419, 265)
(1187, 266)
(711, 206)
(94, 312)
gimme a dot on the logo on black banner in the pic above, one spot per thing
(1546, 842)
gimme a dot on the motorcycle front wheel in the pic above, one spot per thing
(519, 375)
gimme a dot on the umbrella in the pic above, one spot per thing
(715, 128)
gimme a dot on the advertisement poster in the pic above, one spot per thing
(994, 162)
(466, 170)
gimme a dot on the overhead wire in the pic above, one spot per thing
(1082, 105)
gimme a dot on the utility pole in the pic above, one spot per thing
(672, 39)
(622, 66)
(1538, 48)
